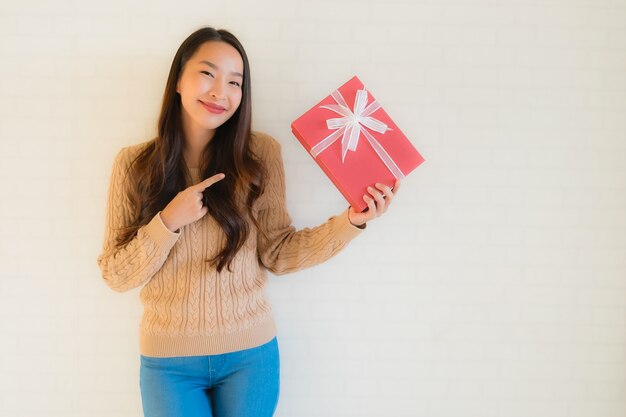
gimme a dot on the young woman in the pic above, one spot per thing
(197, 215)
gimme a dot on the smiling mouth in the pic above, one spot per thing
(213, 108)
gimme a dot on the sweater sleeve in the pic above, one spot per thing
(285, 249)
(134, 264)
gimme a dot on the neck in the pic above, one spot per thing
(192, 155)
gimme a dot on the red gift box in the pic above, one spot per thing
(355, 142)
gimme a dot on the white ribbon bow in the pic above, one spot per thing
(350, 127)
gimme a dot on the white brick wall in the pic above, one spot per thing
(495, 285)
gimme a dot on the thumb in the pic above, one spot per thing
(209, 182)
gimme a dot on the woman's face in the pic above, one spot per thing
(210, 86)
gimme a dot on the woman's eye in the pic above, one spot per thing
(235, 83)
(207, 73)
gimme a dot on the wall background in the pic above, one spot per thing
(494, 286)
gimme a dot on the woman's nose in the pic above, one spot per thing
(216, 90)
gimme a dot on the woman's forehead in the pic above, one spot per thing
(220, 56)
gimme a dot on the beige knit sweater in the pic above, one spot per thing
(190, 308)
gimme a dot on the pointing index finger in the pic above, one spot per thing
(202, 185)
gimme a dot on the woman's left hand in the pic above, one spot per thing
(377, 203)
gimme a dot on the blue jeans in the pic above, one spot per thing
(237, 384)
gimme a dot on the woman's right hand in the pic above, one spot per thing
(187, 206)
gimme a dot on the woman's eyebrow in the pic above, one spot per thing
(215, 67)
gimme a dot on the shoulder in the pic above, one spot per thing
(264, 145)
(126, 155)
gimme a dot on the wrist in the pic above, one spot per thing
(167, 222)
(355, 224)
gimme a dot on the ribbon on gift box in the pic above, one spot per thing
(350, 127)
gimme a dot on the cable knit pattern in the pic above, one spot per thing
(190, 308)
